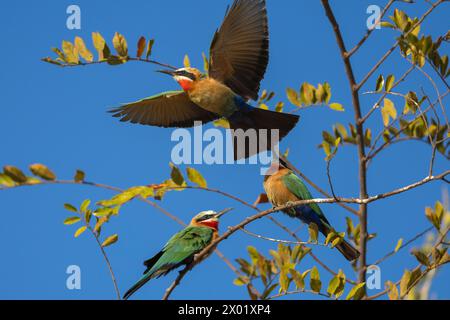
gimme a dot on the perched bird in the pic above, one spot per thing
(239, 55)
(283, 187)
(181, 248)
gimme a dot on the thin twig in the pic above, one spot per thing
(369, 31)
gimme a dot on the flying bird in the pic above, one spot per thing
(283, 187)
(239, 55)
(181, 248)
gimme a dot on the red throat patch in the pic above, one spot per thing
(213, 224)
(185, 84)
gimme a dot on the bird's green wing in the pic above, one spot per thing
(299, 189)
(239, 52)
(181, 247)
(168, 109)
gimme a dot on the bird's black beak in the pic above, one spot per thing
(221, 213)
(169, 72)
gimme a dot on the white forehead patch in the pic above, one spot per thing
(207, 212)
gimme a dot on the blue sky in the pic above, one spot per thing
(58, 117)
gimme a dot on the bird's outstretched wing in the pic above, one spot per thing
(239, 52)
(168, 109)
(181, 247)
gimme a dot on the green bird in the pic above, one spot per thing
(182, 247)
(283, 186)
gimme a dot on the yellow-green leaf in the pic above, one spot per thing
(82, 50)
(84, 206)
(6, 180)
(70, 52)
(15, 173)
(150, 44)
(313, 230)
(110, 240)
(71, 220)
(196, 177)
(380, 83)
(337, 107)
(315, 283)
(186, 61)
(308, 94)
(357, 292)
(293, 97)
(70, 207)
(80, 231)
(392, 291)
(120, 44)
(399, 244)
(101, 46)
(388, 111)
(176, 175)
(42, 171)
(390, 82)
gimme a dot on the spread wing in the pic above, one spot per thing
(168, 109)
(239, 52)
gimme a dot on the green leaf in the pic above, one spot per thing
(15, 174)
(70, 207)
(293, 97)
(42, 171)
(120, 44)
(71, 220)
(150, 44)
(101, 46)
(176, 175)
(337, 107)
(196, 177)
(315, 283)
(82, 50)
(380, 83)
(110, 240)
(357, 292)
(390, 82)
(79, 176)
(141, 47)
(80, 231)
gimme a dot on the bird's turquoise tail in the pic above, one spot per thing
(138, 285)
(255, 118)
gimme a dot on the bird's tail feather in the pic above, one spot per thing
(345, 248)
(348, 251)
(258, 119)
(137, 286)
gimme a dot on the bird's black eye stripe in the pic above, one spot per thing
(206, 217)
(184, 73)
